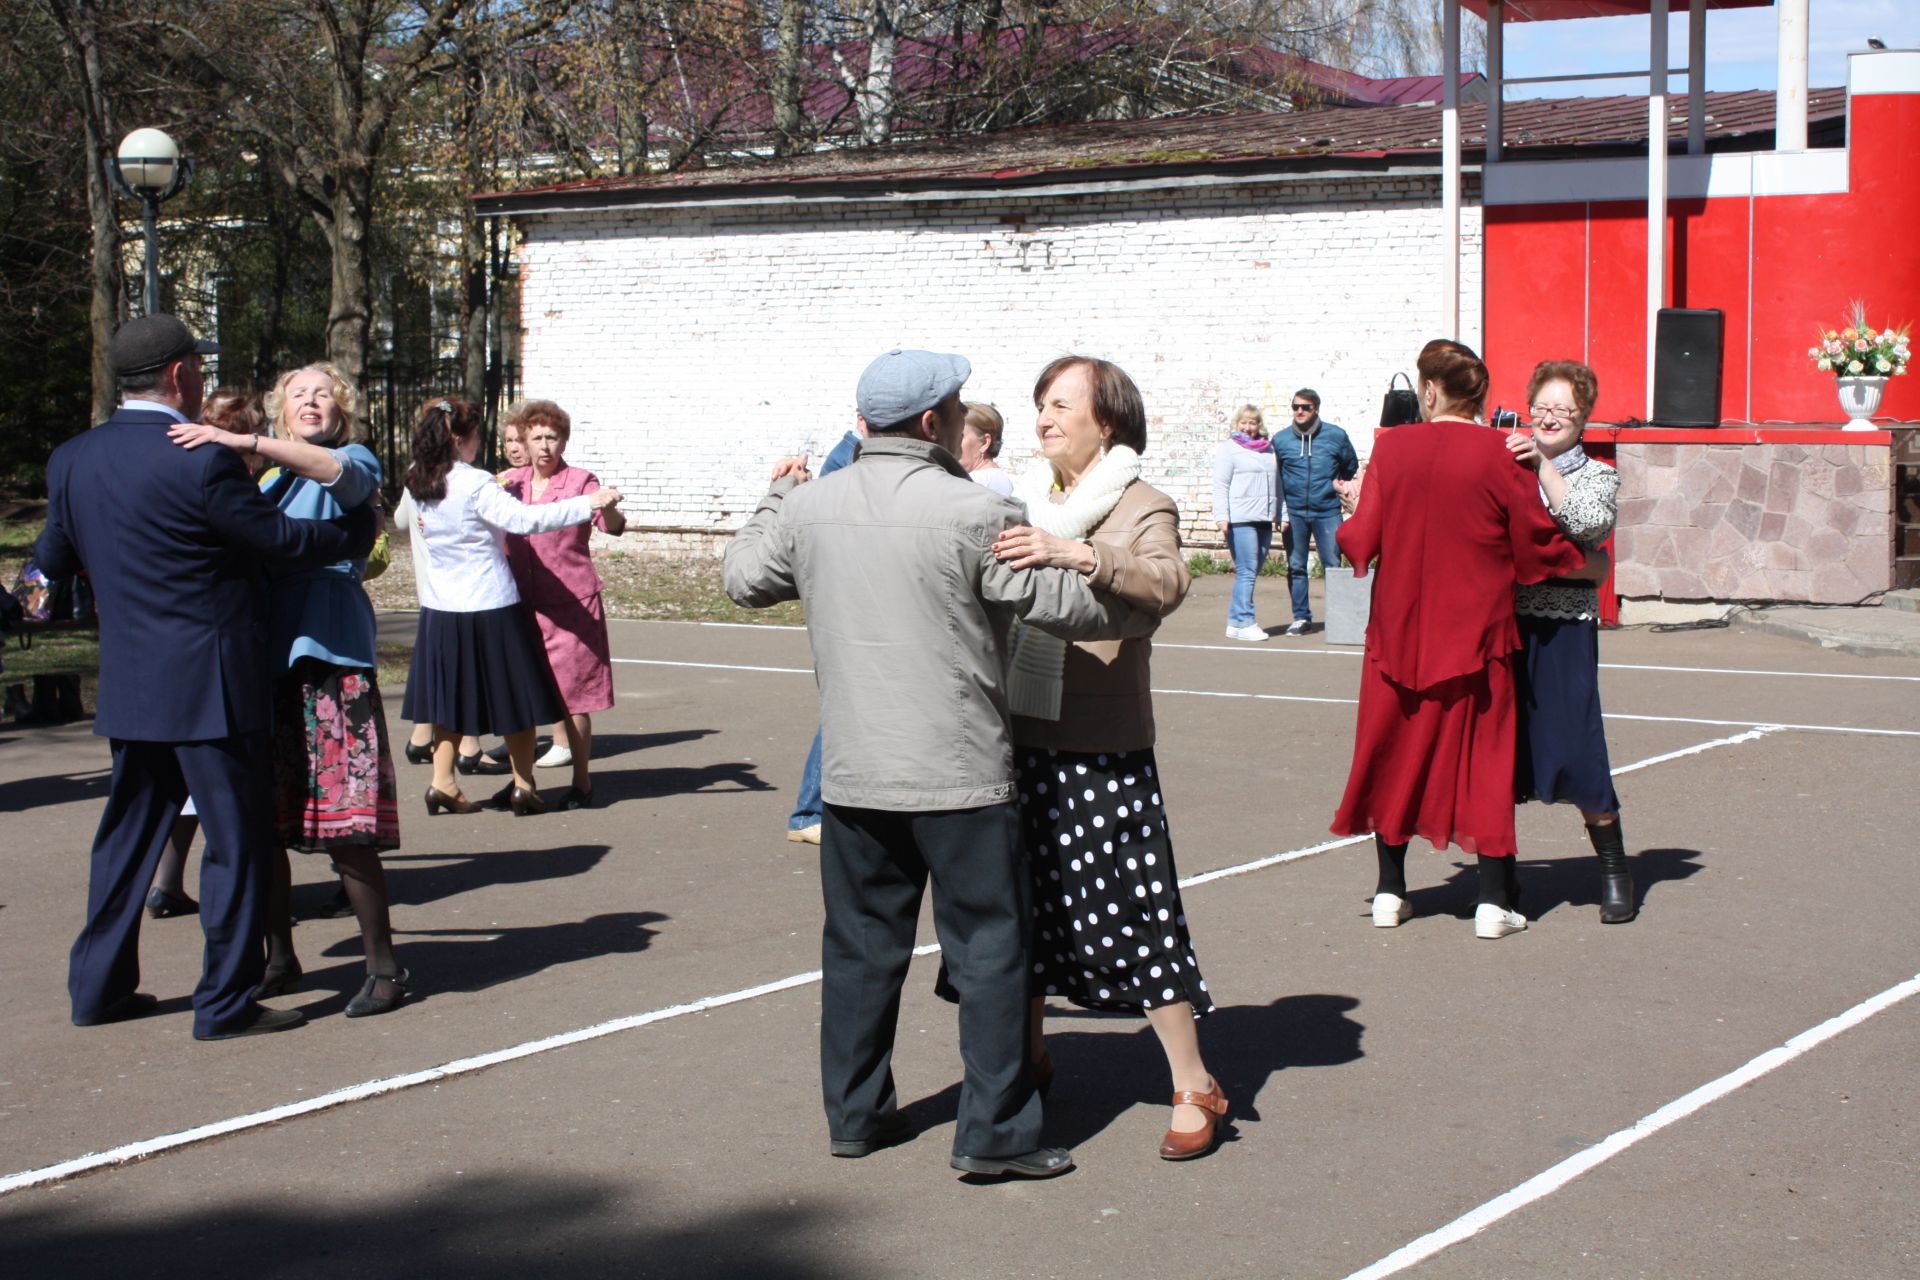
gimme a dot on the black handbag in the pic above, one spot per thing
(1399, 407)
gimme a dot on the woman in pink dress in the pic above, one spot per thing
(554, 572)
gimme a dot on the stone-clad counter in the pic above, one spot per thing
(1802, 515)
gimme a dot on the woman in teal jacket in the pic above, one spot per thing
(334, 789)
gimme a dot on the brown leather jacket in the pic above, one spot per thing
(1107, 701)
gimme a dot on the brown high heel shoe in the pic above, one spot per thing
(438, 800)
(523, 801)
(1185, 1146)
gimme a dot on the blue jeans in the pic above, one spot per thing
(1248, 544)
(806, 805)
(1322, 532)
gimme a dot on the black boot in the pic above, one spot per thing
(1616, 882)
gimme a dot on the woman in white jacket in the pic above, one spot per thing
(1246, 506)
(478, 663)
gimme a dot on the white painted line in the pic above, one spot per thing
(132, 1151)
(1357, 651)
(1550, 1180)
(1751, 735)
(1769, 725)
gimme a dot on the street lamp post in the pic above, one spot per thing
(148, 168)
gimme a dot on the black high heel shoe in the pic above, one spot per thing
(162, 905)
(438, 801)
(577, 799)
(279, 980)
(419, 755)
(480, 762)
(517, 798)
(365, 1004)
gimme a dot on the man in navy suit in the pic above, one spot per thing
(175, 542)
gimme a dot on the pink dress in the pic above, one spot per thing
(556, 578)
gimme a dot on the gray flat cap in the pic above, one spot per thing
(151, 342)
(905, 384)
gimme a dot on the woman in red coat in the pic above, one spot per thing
(1454, 526)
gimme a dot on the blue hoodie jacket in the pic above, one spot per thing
(1309, 464)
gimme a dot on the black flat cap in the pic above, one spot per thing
(152, 342)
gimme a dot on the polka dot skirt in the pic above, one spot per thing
(1109, 929)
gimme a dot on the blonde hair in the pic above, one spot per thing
(1252, 410)
(346, 403)
(986, 419)
(524, 415)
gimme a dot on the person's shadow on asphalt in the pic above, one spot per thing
(1546, 883)
(611, 786)
(475, 959)
(1099, 1076)
(451, 874)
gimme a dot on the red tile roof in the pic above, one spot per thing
(1555, 10)
(1124, 149)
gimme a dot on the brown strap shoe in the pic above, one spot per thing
(1185, 1146)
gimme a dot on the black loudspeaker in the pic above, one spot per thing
(1687, 348)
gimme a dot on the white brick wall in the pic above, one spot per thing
(695, 346)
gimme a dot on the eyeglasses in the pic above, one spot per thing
(1303, 408)
(1561, 412)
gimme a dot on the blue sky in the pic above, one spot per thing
(1740, 46)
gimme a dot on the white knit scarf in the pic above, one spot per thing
(1037, 662)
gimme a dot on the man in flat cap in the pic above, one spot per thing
(175, 542)
(907, 611)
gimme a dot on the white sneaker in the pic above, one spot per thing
(1298, 628)
(1249, 633)
(557, 756)
(804, 835)
(1490, 921)
(1390, 910)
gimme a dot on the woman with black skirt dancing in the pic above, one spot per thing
(478, 663)
(1562, 749)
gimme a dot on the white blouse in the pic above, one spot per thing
(465, 537)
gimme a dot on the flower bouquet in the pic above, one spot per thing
(1856, 350)
(1861, 360)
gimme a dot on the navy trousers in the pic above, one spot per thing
(231, 785)
(874, 867)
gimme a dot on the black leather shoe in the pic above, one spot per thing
(263, 1021)
(524, 803)
(162, 905)
(480, 762)
(369, 1001)
(136, 1005)
(577, 799)
(279, 980)
(1043, 1162)
(419, 755)
(891, 1132)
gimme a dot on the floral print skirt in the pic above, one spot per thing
(333, 774)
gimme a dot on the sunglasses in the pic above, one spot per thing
(1303, 408)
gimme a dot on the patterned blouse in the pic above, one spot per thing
(1593, 500)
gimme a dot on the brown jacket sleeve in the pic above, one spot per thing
(1139, 552)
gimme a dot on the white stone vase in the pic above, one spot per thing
(1860, 400)
(1349, 604)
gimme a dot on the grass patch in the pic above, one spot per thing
(1202, 564)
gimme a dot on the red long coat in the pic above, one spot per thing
(1454, 524)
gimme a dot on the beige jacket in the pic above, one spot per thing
(1107, 701)
(908, 612)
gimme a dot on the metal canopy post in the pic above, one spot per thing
(1496, 78)
(1450, 172)
(1656, 185)
(1790, 97)
(1697, 78)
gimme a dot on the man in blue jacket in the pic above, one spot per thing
(1316, 460)
(176, 542)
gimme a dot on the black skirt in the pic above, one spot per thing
(1561, 753)
(1109, 929)
(481, 673)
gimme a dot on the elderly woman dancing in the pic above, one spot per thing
(478, 664)
(554, 572)
(1111, 930)
(334, 789)
(1562, 755)
(1453, 525)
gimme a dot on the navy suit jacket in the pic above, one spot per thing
(175, 543)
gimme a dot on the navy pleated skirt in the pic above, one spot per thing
(1561, 755)
(480, 673)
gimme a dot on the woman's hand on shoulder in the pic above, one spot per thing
(1525, 450)
(191, 435)
(1025, 547)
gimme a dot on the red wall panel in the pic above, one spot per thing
(1536, 280)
